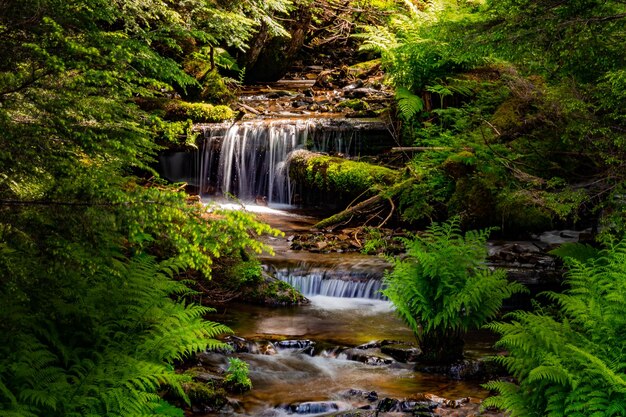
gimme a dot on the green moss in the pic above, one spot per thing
(338, 175)
(276, 292)
(364, 68)
(197, 112)
(459, 164)
(354, 104)
(215, 90)
(173, 134)
(206, 394)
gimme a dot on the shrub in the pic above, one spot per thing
(443, 288)
(237, 379)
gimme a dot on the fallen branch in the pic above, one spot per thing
(366, 205)
(420, 148)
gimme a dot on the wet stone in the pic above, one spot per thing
(359, 92)
(402, 353)
(313, 407)
(370, 396)
(306, 347)
(370, 357)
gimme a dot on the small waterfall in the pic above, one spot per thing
(344, 284)
(250, 159)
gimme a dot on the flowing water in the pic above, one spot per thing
(325, 372)
(250, 160)
(304, 356)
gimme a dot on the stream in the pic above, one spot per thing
(312, 359)
(335, 353)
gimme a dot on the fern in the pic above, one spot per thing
(409, 104)
(119, 352)
(444, 288)
(571, 363)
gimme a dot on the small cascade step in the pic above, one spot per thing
(343, 284)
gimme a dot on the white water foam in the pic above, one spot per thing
(363, 306)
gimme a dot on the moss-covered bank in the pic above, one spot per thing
(335, 180)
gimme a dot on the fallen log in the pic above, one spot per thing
(364, 206)
(420, 148)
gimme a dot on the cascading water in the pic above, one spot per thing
(329, 283)
(250, 159)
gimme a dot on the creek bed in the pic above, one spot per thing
(289, 376)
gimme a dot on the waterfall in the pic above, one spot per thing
(250, 159)
(345, 284)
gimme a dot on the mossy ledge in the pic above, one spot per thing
(338, 179)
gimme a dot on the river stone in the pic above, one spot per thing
(359, 92)
(368, 356)
(280, 93)
(402, 353)
(370, 396)
(465, 369)
(406, 406)
(312, 407)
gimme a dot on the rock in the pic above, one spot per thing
(359, 92)
(425, 407)
(368, 356)
(312, 407)
(321, 245)
(354, 104)
(362, 114)
(402, 353)
(466, 369)
(357, 84)
(370, 396)
(280, 93)
(306, 347)
(444, 402)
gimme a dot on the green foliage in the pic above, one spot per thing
(409, 105)
(173, 133)
(237, 379)
(92, 314)
(533, 88)
(342, 176)
(570, 362)
(374, 241)
(198, 112)
(103, 345)
(443, 288)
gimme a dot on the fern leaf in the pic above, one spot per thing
(409, 104)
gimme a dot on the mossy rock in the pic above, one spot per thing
(215, 90)
(274, 292)
(365, 69)
(336, 176)
(205, 396)
(460, 164)
(197, 112)
(354, 104)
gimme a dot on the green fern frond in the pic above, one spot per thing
(409, 104)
